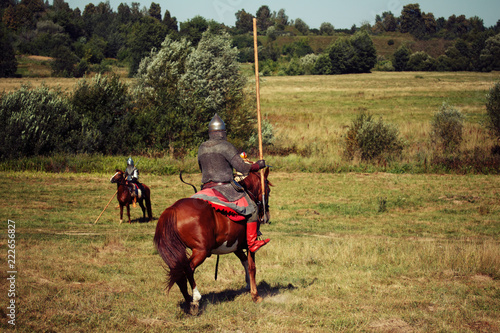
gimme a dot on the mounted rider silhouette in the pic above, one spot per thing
(132, 177)
(217, 158)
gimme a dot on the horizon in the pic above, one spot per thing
(340, 14)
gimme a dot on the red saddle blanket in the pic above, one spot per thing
(217, 201)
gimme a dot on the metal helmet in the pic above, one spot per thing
(130, 161)
(216, 124)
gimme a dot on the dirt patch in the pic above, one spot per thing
(483, 326)
(391, 325)
(481, 278)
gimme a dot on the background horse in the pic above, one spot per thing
(125, 199)
(193, 223)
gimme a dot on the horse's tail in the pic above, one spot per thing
(171, 247)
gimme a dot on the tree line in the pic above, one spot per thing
(81, 41)
(179, 88)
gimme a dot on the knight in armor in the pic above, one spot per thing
(132, 176)
(217, 158)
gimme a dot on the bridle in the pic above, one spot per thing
(121, 181)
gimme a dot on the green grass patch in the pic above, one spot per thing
(431, 259)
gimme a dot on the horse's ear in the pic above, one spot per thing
(266, 172)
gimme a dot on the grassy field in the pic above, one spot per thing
(310, 116)
(312, 113)
(349, 252)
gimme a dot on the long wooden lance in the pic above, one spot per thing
(259, 118)
(105, 207)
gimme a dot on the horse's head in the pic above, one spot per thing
(117, 177)
(253, 185)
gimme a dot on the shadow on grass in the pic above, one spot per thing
(142, 220)
(264, 289)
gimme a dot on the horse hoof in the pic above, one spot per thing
(194, 308)
(121, 221)
(256, 299)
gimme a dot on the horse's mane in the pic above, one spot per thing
(251, 183)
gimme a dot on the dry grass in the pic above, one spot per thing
(429, 263)
(312, 113)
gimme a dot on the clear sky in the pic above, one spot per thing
(342, 14)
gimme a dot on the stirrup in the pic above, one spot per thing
(257, 245)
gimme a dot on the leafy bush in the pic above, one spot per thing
(64, 62)
(421, 61)
(493, 109)
(180, 88)
(490, 55)
(322, 66)
(103, 105)
(267, 135)
(35, 122)
(355, 54)
(384, 66)
(308, 61)
(401, 58)
(447, 126)
(371, 139)
(295, 68)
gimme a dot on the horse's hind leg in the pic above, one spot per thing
(147, 198)
(196, 259)
(143, 210)
(182, 283)
(244, 261)
(148, 206)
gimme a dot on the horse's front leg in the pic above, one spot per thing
(121, 213)
(128, 214)
(244, 261)
(252, 270)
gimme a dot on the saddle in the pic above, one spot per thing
(221, 205)
(136, 189)
(227, 211)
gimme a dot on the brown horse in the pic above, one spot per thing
(125, 199)
(194, 224)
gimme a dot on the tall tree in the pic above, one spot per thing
(281, 19)
(8, 62)
(244, 22)
(412, 21)
(145, 35)
(193, 29)
(389, 21)
(155, 11)
(264, 18)
(170, 22)
(301, 26)
(327, 29)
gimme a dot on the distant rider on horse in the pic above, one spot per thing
(132, 177)
(217, 157)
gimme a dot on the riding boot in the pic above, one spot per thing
(253, 243)
(132, 194)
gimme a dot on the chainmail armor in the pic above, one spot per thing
(217, 158)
